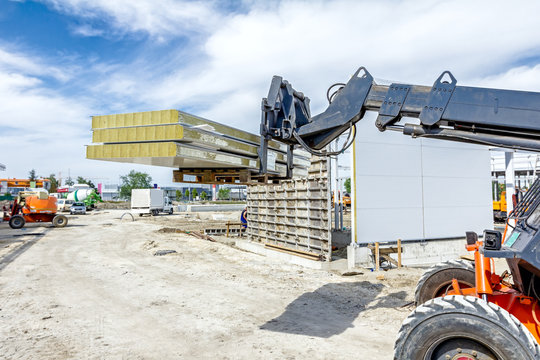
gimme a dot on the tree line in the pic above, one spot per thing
(132, 180)
(56, 183)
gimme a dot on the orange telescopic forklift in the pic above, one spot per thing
(465, 311)
(33, 206)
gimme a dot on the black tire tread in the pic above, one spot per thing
(13, 219)
(55, 220)
(467, 305)
(446, 265)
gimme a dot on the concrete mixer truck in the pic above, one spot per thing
(86, 194)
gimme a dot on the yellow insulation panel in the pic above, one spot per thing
(168, 154)
(137, 150)
(135, 119)
(193, 120)
(179, 156)
(178, 133)
(138, 133)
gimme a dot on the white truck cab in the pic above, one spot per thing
(150, 202)
(64, 204)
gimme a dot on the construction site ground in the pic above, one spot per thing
(97, 290)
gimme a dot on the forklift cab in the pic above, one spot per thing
(522, 248)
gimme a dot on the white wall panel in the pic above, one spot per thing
(456, 192)
(389, 160)
(372, 192)
(457, 162)
(418, 188)
(389, 224)
(453, 222)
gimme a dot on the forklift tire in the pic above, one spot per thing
(59, 221)
(16, 222)
(438, 279)
(463, 327)
(171, 211)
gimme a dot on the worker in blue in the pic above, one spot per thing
(243, 218)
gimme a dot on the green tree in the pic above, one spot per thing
(223, 193)
(194, 193)
(347, 185)
(186, 194)
(203, 195)
(134, 180)
(178, 195)
(81, 180)
(54, 183)
(69, 181)
(32, 175)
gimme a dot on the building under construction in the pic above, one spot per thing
(297, 215)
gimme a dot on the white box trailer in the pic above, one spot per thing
(150, 201)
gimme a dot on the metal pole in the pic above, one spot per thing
(510, 183)
(534, 169)
(341, 204)
(398, 253)
(377, 259)
(336, 189)
(329, 204)
(354, 228)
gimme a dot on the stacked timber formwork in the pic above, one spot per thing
(212, 152)
(292, 216)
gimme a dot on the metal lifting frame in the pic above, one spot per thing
(501, 118)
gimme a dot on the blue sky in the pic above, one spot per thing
(62, 61)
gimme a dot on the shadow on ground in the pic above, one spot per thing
(26, 238)
(331, 309)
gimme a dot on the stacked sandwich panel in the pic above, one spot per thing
(185, 142)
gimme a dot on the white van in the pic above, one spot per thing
(63, 205)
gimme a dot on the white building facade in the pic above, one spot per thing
(417, 189)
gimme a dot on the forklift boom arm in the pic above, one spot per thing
(494, 117)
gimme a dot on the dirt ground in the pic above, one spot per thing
(95, 290)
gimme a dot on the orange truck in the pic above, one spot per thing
(31, 207)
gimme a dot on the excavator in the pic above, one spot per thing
(465, 310)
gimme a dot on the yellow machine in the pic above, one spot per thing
(499, 208)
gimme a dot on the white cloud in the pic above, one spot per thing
(160, 19)
(45, 130)
(87, 30)
(226, 67)
(13, 60)
(41, 129)
(314, 44)
(525, 78)
(10, 81)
